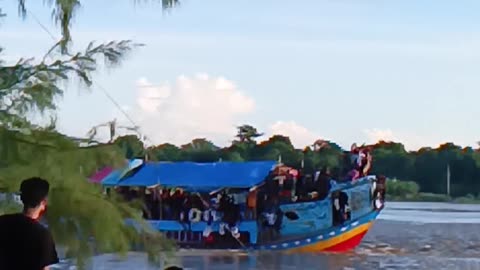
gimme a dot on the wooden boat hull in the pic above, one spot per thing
(339, 239)
(336, 239)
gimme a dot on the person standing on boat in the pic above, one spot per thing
(367, 162)
(231, 216)
(24, 242)
(177, 198)
(322, 183)
(352, 162)
(210, 216)
(251, 212)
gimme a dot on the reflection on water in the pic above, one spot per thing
(407, 236)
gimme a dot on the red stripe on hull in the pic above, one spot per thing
(348, 244)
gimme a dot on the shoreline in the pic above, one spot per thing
(452, 201)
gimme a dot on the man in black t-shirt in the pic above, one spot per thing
(25, 244)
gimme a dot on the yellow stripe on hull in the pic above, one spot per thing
(327, 243)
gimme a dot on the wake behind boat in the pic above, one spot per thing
(260, 205)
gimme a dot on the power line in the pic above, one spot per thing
(110, 97)
(41, 25)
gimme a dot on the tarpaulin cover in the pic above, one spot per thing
(195, 176)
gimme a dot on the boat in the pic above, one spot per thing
(307, 225)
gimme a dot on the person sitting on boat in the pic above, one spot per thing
(309, 185)
(272, 187)
(287, 187)
(197, 206)
(272, 217)
(166, 199)
(240, 200)
(184, 211)
(157, 203)
(345, 206)
(231, 216)
(210, 213)
(191, 211)
(300, 188)
(341, 209)
(148, 211)
(378, 194)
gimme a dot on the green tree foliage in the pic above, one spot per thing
(131, 146)
(200, 150)
(165, 152)
(397, 188)
(275, 147)
(247, 134)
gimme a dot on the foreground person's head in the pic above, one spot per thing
(34, 193)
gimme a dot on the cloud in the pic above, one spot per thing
(374, 135)
(299, 135)
(190, 107)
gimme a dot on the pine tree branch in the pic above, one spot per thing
(63, 12)
(27, 86)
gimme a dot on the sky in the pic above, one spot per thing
(344, 70)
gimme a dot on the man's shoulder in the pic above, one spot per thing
(12, 223)
(8, 218)
(20, 220)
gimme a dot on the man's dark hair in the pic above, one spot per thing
(33, 191)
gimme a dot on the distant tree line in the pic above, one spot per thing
(427, 166)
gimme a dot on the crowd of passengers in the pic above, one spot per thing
(228, 207)
(231, 206)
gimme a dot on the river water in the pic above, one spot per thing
(405, 236)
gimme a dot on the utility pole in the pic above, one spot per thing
(448, 179)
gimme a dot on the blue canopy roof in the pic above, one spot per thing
(195, 176)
